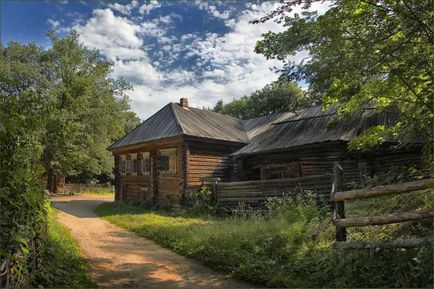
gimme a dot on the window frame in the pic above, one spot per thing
(171, 155)
(145, 163)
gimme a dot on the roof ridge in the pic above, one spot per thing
(175, 114)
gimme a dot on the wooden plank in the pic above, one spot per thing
(383, 190)
(399, 243)
(339, 213)
(383, 220)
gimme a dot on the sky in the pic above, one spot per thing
(202, 50)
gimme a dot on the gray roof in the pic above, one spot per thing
(173, 120)
(312, 125)
(262, 134)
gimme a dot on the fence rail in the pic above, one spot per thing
(339, 196)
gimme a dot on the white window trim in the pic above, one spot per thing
(145, 156)
(133, 157)
(173, 163)
(122, 165)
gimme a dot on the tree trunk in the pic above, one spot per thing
(51, 181)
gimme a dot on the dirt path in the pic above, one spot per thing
(118, 258)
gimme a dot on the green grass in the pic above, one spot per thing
(89, 189)
(276, 250)
(64, 265)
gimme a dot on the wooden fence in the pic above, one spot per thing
(257, 192)
(338, 196)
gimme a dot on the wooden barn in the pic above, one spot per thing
(179, 147)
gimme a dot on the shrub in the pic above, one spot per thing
(199, 201)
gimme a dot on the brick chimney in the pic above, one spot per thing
(183, 102)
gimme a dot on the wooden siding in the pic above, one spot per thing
(257, 192)
(208, 160)
(135, 188)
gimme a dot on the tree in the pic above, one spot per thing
(87, 110)
(278, 96)
(362, 54)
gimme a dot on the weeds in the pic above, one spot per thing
(276, 249)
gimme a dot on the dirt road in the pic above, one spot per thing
(118, 258)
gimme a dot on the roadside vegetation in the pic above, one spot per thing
(64, 264)
(89, 189)
(277, 249)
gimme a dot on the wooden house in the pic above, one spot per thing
(178, 147)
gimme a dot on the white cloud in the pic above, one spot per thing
(148, 7)
(124, 9)
(226, 65)
(114, 36)
(54, 23)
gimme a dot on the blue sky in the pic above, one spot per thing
(166, 49)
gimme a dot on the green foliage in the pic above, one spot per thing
(87, 109)
(23, 208)
(278, 96)
(64, 264)
(277, 249)
(199, 201)
(59, 110)
(363, 54)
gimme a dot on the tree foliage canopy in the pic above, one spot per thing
(87, 109)
(278, 96)
(75, 107)
(362, 53)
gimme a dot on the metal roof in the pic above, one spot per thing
(173, 120)
(160, 125)
(312, 125)
(266, 133)
(209, 124)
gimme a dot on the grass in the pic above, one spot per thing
(89, 189)
(277, 250)
(64, 265)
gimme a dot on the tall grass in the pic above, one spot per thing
(277, 249)
(89, 189)
(64, 265)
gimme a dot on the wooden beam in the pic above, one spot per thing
(338, 184)
(383, 220)
(383, 190)
(399, 243)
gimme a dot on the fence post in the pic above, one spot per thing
(338, 184)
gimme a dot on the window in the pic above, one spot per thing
(167, 161)
(164, 163)
(129, 166)
(145, 163)
(134, 165)
(122, 164)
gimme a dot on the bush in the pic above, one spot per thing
(199, 201)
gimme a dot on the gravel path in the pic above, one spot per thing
(118, 258)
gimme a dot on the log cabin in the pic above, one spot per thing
(179, 147)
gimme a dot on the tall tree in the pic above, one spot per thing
(376, 53)
(88, 110)
(278, 96)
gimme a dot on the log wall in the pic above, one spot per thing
(135, 188)
(257, 192)
(209, 160)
